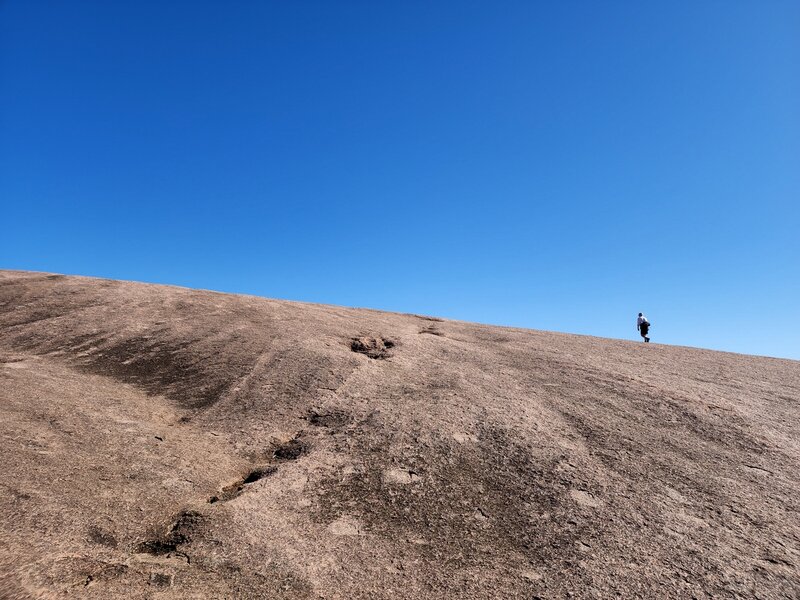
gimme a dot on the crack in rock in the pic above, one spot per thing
(229, 492)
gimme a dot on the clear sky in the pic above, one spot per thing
(552, 165)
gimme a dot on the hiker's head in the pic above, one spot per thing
(640, 314)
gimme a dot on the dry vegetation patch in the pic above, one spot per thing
(377, 348)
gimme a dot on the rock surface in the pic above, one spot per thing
(161, 442)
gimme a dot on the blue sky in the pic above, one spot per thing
(558, 165)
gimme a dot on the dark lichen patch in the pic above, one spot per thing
(180, 532)
(159, 366)
(97, 535)
(160, 579)
(33, 317)
(291, 450)
(374, 347)
(332, 419)
(229, 492)
(472, 501)
(190, 370)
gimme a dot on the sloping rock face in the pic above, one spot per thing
(161, 442)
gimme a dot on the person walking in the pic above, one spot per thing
(643, 325)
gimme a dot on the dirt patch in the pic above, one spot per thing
(291, 450)
(377, 348)
(180, 532)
